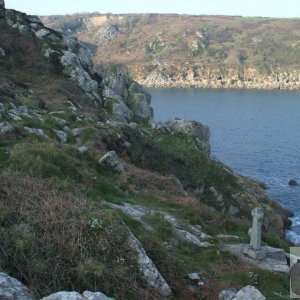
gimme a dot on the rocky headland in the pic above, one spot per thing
(96, 196)
(192, 51)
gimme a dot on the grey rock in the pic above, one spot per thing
(23, 29)
(35, 19)
(85, 57)
(36, 131)
(249, 293)
(172, 220)
(192, 128)
(213, 191)
(125, 98)
(256, 254)
(111, 161)
(60, 121)
(2, 52)
(119, 109)
(117, 82)
(6, 128)
(194, 276)
(106, 34)
(275, 258)
(18, 113)
(227, 294)
(133, 125)
(137, 212)
(220, 198)
(148, 270)
(196, 281)
(71, 43)
(12, 289)
(83, 149)
(197, 231)
(80, 50)
(199, 190)
(77, 131)
(227, 237)
(110, 93)
(64, 296)
(42, 33)
(293, 182)
(190, 238)
(50, 52)
(95, 296)
(139, 105)
(74, 69)
(61, 135)
(233, 210)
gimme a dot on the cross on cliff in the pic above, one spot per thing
(255, 237)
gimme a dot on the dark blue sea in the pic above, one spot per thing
(256, 132)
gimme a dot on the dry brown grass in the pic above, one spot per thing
(59, 241)
(166, 188)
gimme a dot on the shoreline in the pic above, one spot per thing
(213, 85)
(214, 78)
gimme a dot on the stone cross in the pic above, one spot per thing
(255, 236)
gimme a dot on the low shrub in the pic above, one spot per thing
(59, 241)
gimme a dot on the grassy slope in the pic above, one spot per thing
(34, 235)
(50, 193)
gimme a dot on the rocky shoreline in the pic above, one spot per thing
(203, 78)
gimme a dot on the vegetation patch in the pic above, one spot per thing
(59, 241)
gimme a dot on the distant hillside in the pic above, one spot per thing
(182, 50)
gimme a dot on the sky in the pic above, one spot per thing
(263, 8)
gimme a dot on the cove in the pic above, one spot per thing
(256, 132)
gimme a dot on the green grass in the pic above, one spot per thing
(178, 155)
(4, 156)
(43, 160)
(274, 241)
(88, 134)
(272, 285)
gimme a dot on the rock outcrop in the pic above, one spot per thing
(195, 129)
(247, 293)
(12, 289)
(123, 98)
(148, 270)
(87, 295)
(111, 161)
(200, 51)
(195, 77)
(293, 182)
(275, 260)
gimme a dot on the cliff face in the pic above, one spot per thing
(196, 77)
(193, 51)
(123, 98)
